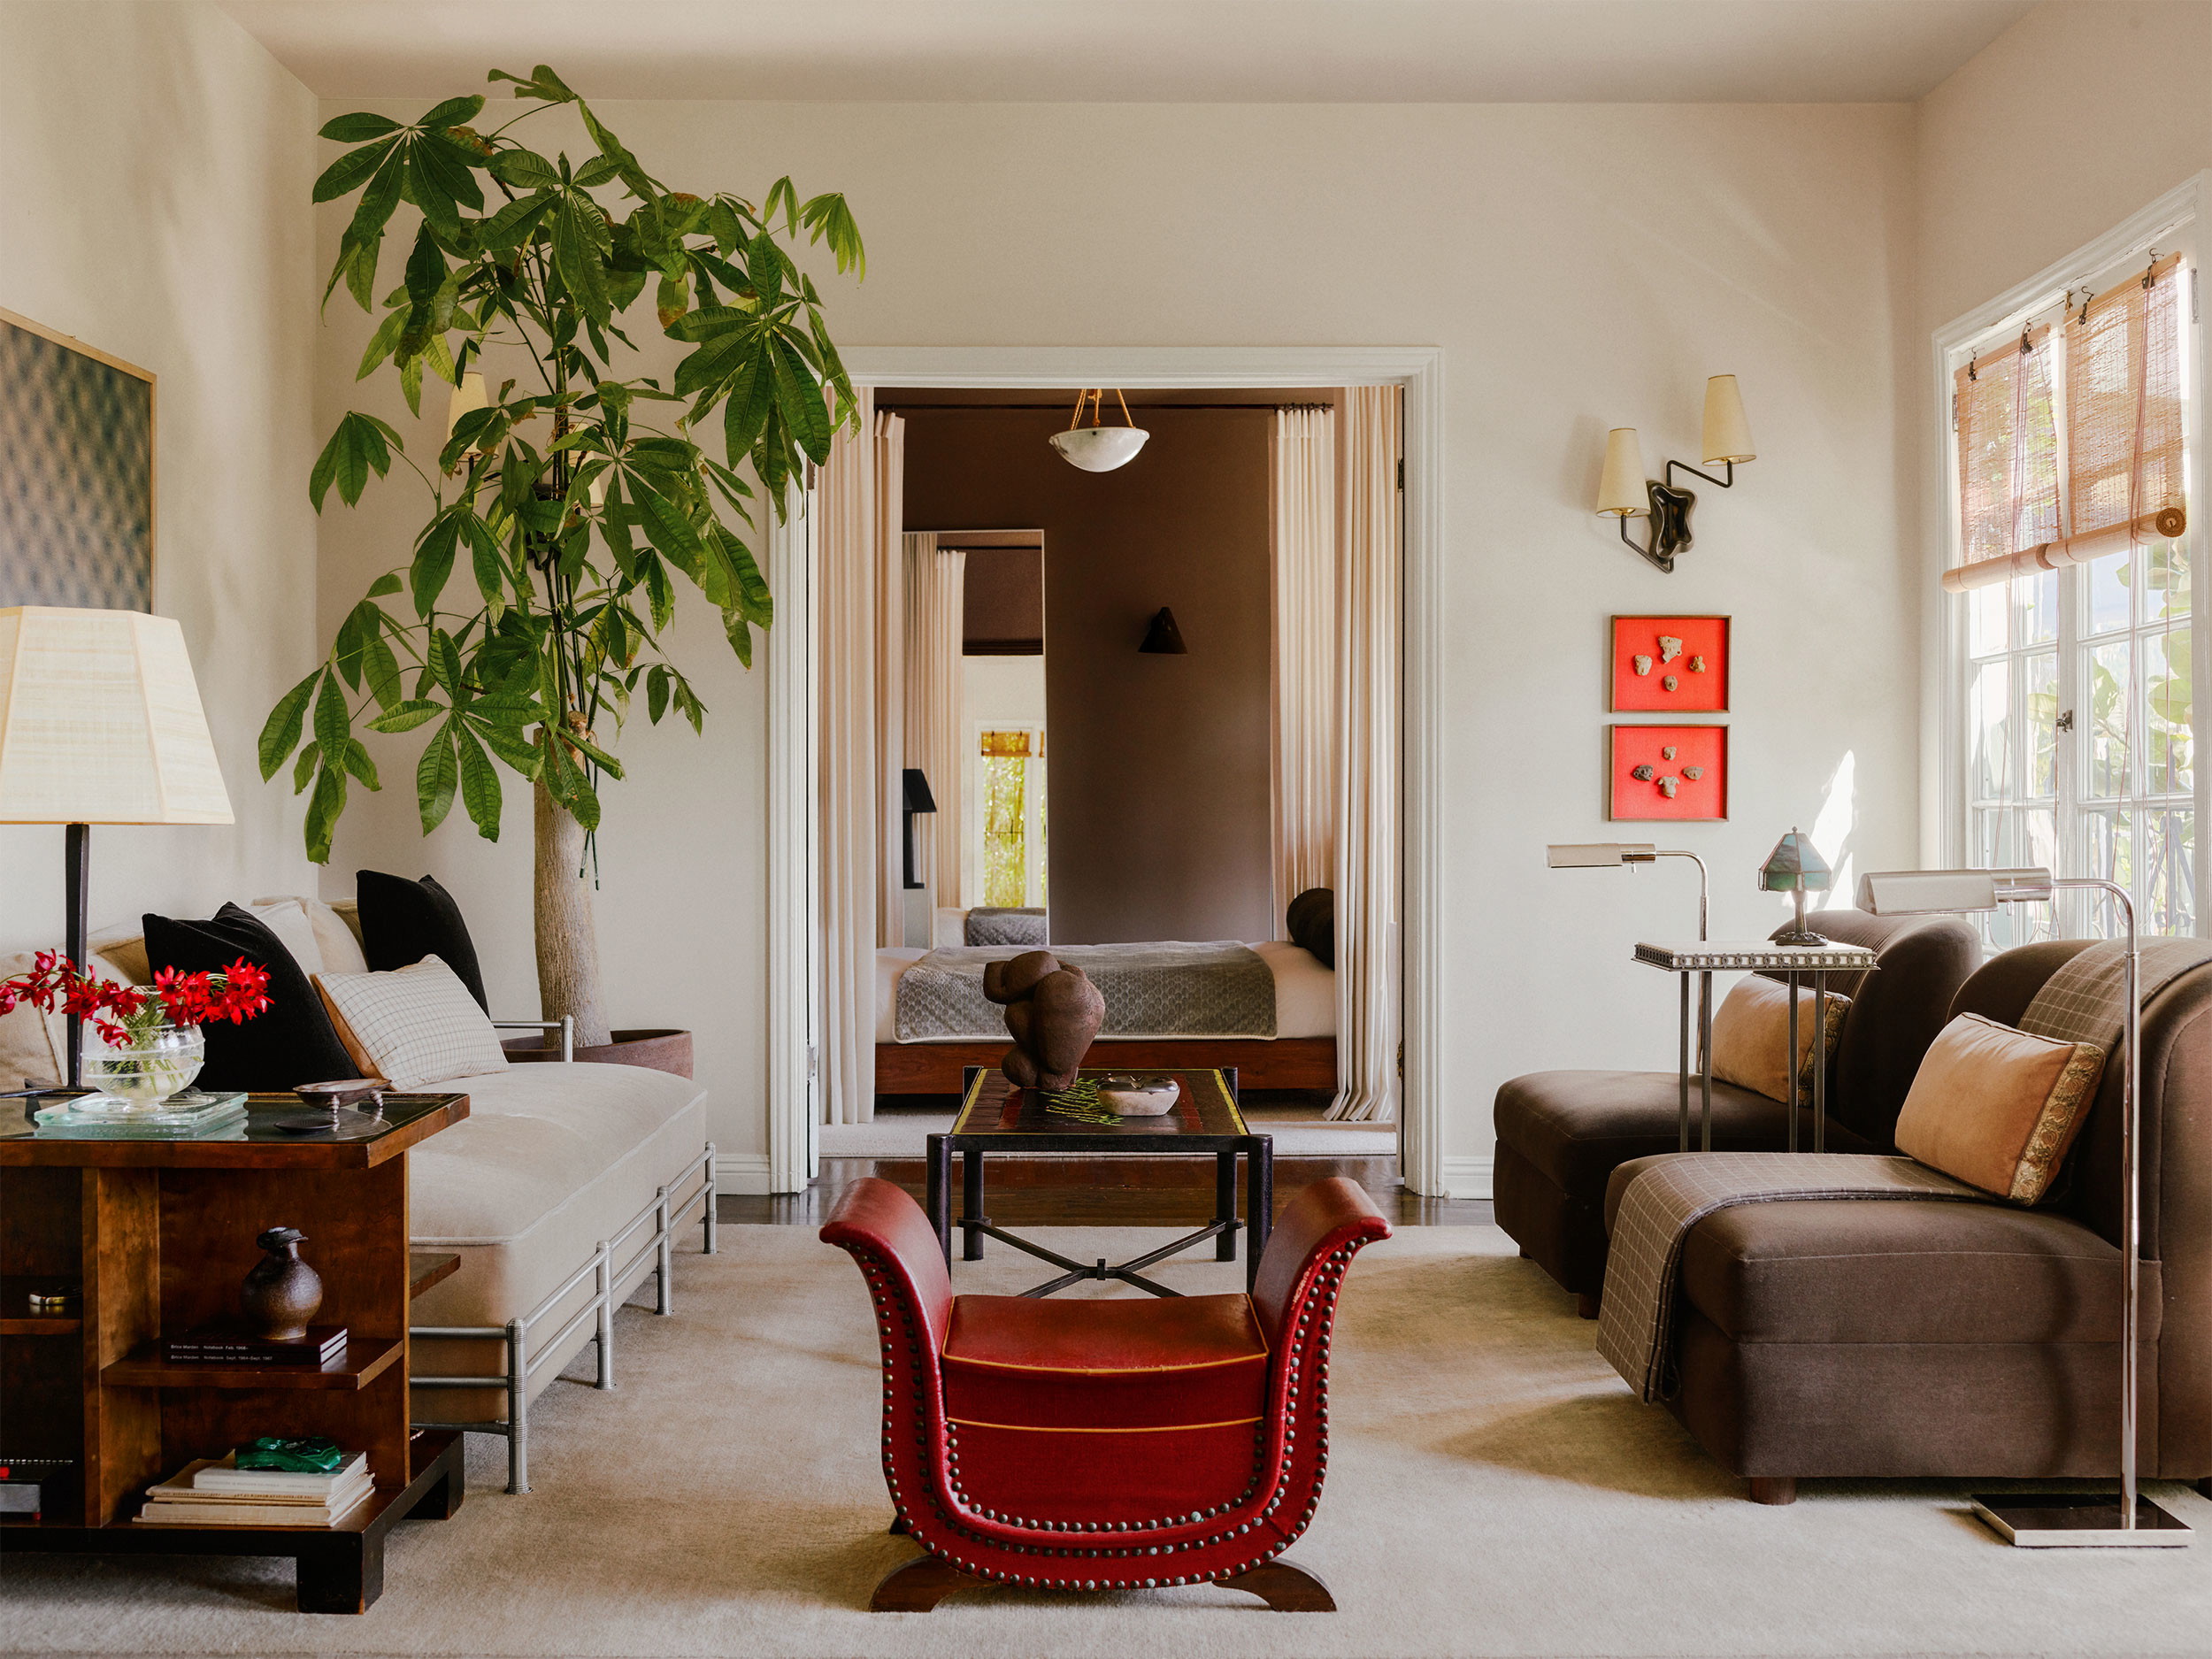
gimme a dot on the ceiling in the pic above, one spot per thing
(1212, 51)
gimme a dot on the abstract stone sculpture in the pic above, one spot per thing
(1052, 1013)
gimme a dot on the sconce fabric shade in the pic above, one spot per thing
(468, 396)
(101, 723)
(1727, 434)
(1164, 638)
(1621, 487)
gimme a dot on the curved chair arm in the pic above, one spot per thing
(878, 1223)
(1323, 1218)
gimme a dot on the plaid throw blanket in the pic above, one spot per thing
(1636, 1319)
(2085, 1001)
(1170, 989)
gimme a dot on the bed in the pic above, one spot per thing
(1300, 1055)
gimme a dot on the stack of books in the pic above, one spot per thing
(226, 1345)
(217, 1492)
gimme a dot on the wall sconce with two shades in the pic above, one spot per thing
(1626, 493)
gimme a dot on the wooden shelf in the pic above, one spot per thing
(364, 1361)
(54, 1324)
(426, 1268)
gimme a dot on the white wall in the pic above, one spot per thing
(154, 204)
(2078, 115)
(1582, 267)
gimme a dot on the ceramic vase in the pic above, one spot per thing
(282, 1292)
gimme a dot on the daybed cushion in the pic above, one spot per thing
(551, 1159)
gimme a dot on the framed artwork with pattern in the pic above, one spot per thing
(1670, 665)
(1673, 773)
(76, 472)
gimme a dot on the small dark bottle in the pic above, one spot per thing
(282, 1292)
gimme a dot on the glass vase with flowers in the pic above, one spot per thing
(145, 1042)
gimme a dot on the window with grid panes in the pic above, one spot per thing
(2076, 686)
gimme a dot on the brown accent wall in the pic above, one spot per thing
(1159, 764)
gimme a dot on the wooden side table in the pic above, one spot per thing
(996, 1116)
(1706, 958)
(156, 1236)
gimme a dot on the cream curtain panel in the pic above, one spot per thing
(846, 528)
(2117, 450)
(889, 551)
(934, 591)
(1369, 561)
(1303, 529)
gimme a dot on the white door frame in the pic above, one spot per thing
(1420, 370)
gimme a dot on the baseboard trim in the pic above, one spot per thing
(1467, 1178)
(741, 1172)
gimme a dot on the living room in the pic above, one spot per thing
(1713, 457)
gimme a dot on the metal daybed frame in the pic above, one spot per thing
(526, 1355)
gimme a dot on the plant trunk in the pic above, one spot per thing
(568, 941)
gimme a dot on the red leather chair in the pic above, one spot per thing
(1104, 1445)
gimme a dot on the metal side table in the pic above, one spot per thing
(1800, 963)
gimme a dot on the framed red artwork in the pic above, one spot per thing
(1670, 665)
(1643, 760)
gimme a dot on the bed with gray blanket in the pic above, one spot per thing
(1267, 1009)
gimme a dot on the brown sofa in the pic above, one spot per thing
(1972, 1340)
(1561, 1135)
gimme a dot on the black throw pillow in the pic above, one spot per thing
(289, 1043)
(1311, 922)
(403, 921)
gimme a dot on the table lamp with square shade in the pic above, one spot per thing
(100, 723)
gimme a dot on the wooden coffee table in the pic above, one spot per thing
(996, 1116)
(154, 1237)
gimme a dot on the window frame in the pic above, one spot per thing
(2174, 221)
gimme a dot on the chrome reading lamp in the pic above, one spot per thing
(2049, 1519)
(1610, 855)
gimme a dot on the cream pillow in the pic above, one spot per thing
(286, 918)
(1996, 1108)
(335, 943)
(1751, 1037)
(412, 1026)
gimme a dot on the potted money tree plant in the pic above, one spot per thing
(571, 504)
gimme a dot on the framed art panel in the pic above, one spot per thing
(1671, 773)
(76, 474)
(1670, 665)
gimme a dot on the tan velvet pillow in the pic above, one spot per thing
(1751, 1037)
(1996, 1108)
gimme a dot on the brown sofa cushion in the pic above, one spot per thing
(1575, 1126)
(1998, 1107)
(1751, 1036)
(1900, 1271)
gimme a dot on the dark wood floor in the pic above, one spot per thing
(1132, 1191)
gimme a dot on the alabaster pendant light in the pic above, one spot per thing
(1098, 448)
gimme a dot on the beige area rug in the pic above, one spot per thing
(1494, 1490)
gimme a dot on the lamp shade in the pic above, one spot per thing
(1621, 487)
(1795, 866)
(468, 396)
(101, 723)
(1727, 434)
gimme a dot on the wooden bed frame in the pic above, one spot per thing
(936, 1068)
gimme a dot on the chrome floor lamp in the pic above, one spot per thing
(1610, 855)
(2060, 1519)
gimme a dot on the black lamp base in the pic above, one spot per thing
(2078, 1520)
